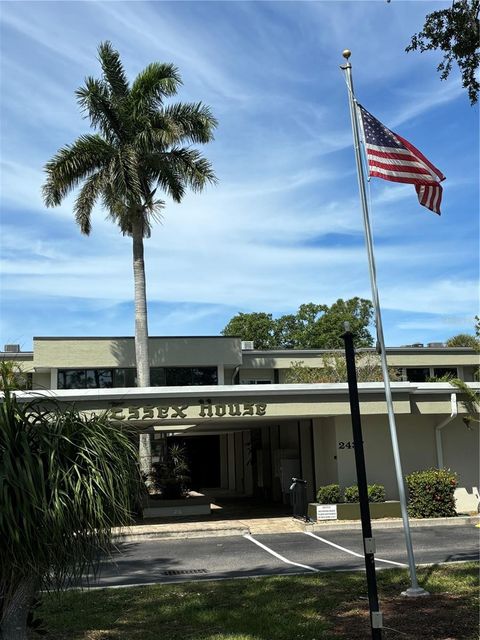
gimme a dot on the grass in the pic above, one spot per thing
(323, 606)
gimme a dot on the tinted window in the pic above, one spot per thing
(415, 374)
(99, 378)
(157, 377)
(124, 378)
(71, 379)
(204, 375)
(440, 372)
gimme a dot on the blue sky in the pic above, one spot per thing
(283, 226)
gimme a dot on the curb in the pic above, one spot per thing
(395, 524)
(150, 533)
(131, 536)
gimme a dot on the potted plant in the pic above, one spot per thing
(170, 476)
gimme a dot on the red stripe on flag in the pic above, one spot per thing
(420, 155)
(401, 168)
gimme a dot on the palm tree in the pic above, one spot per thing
(65, 480)
(140, 146)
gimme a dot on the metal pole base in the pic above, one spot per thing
(415, 592)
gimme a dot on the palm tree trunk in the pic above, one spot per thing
(141, 325)
(14, 618)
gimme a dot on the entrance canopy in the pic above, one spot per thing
(211, 408)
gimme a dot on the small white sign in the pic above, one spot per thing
(326, 512)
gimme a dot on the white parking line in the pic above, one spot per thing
(277, 555)
(353, 553)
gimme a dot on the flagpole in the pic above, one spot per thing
(414, 590)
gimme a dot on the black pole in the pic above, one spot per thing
(368, 541)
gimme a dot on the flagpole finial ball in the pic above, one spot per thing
(346, 53)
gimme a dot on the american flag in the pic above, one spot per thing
(391, 157)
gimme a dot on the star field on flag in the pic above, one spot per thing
(393, 158)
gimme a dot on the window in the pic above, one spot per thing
(258, 381)
(120, 378)
(417, 374)
(99, 378)
(190, 376)
(441, 372)
(71, 379)
(124, 378)
(429, 374)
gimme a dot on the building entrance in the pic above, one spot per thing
(203, 455)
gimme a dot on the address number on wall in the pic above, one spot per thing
(346, 445)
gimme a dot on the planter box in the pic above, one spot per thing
(351, 510)
(178, 507)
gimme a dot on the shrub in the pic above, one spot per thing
(376, 493)
(329, 494)
(351, 493)
(431, 493)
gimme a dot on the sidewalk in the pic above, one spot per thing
(257, 526)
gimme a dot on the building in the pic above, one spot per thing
(246, 428)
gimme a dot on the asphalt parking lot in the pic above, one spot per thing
(174, 560)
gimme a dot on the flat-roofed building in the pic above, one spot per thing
(246, 428)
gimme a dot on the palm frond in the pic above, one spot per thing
(196, 171)
(72, 164)
(124, 177)
(85, 201)
(113, 70)
(470, 400)
(156, 82)
(165, 173)
(191, 122)
(94, 100)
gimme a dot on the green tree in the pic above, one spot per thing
(65, 480)
(464, 340)
(140, 147)
(258, 327)
(13, 376)
(454, 31)
(314, 326)
(324, 331)
(369, 369)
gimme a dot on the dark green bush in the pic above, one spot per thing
(329, 494)
(376, 493)
(431, 493)
(351, 493)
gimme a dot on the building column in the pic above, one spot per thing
(145, 453)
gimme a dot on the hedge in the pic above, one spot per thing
(329, 494)
(431, 493)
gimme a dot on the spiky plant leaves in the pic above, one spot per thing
(66, 479)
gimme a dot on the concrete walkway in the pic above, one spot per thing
(258, 526)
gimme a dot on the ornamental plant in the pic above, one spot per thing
(329, 494)
(376, 493)
(66, 479)
(431, 493)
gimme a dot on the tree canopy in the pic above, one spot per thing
(314, 326)
(454, 31)
(369, 369)
(464, 340)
